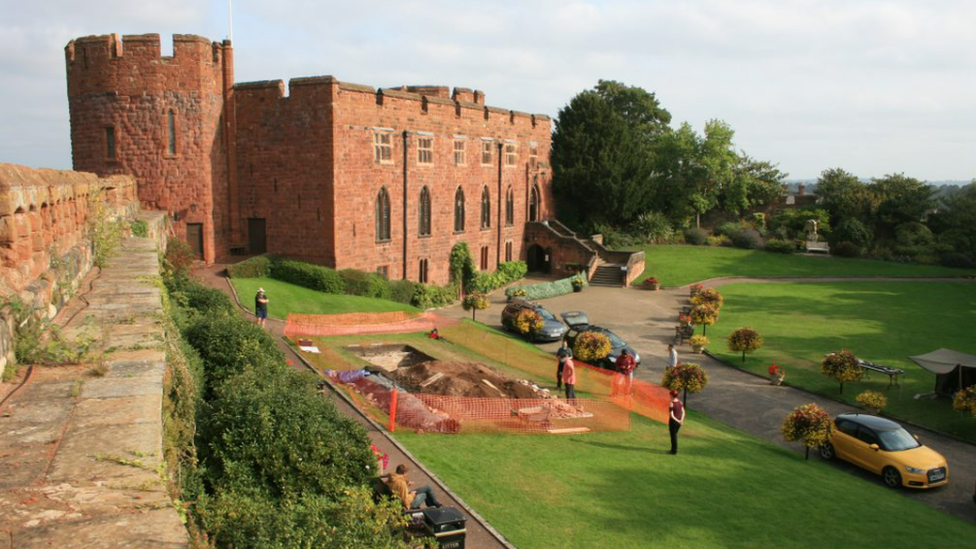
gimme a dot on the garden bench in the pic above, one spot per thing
(817, 247)
(682, 332)
(890, 371)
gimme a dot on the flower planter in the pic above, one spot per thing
(698, 349)
(577, 289)
(777, 380)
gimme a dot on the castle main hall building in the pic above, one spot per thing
(339, 174)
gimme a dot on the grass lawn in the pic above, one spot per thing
(884, 322)
(288, 298)
(680, 265)
(725, 489)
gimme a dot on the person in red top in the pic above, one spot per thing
(676, 413)
(569, 377)
(625, 373)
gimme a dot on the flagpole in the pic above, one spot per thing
(230, 18)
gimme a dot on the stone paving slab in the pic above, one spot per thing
(81, 447)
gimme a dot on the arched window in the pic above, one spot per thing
(171, 126)
(382, 215)
(424, 213)
(485, 208)
(459, 211)
(510, 207)
(534, 204)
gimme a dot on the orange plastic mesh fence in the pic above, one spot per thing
(396, 322)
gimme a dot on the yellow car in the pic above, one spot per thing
(885, 448)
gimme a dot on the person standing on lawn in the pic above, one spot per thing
(569, 378)
(624, 377)
(261, 307)
(676, 418)
(562, 354)
(672, 356)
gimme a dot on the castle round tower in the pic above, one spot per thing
(162, 120)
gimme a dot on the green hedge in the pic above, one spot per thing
(365, 284)
(507, 272)
(428, 296)
(277, 465)
(544, 290)
(315, 277)
(255, 267)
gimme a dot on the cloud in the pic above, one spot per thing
(868, 85)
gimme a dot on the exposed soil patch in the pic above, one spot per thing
(390, 357)
(461, 379)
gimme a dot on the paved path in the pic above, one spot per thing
(81, 447)
(743, 400)
(479, 535)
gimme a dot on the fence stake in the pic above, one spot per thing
(393, 409)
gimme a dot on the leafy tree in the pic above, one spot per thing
(957, 222)
(844, 196)
(708, 296)
(704, 314)
(474, 302)
(852, 230)
(744, 340)
(688, 378)
(901, 200)
(808, 423)
(842, 366)
(638, 107)
(754, 184)
(601, 163)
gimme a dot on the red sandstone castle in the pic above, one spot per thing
(340, 174)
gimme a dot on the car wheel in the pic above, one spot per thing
(892, 478)
(827, 451)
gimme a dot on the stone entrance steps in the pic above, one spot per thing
(608, 275)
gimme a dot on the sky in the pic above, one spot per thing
(874, 87)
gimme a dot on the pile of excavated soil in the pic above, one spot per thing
(460, 379)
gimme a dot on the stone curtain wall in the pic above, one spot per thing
(44, 252)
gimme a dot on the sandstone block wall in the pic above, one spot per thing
(127, 88)
(44, 252)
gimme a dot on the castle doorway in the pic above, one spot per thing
(257, 236)
(194, 237)
(537, 259)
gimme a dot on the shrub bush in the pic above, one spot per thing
(315, 277)
(872, 399)
(139, 228)
(544, 290)
(652, 227)
(255, 267)
(429, 296)
(229, 344)
(852, 230)
(506, 273)
(719, 240)
(402, 291)
(779, 246)
(475, 302)
(591, 347)
(178, 259)
(696, 236)
(845, 249)
(356, 282)
(729, 229)
(200, 299)
(957, 260)
(748, 239)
